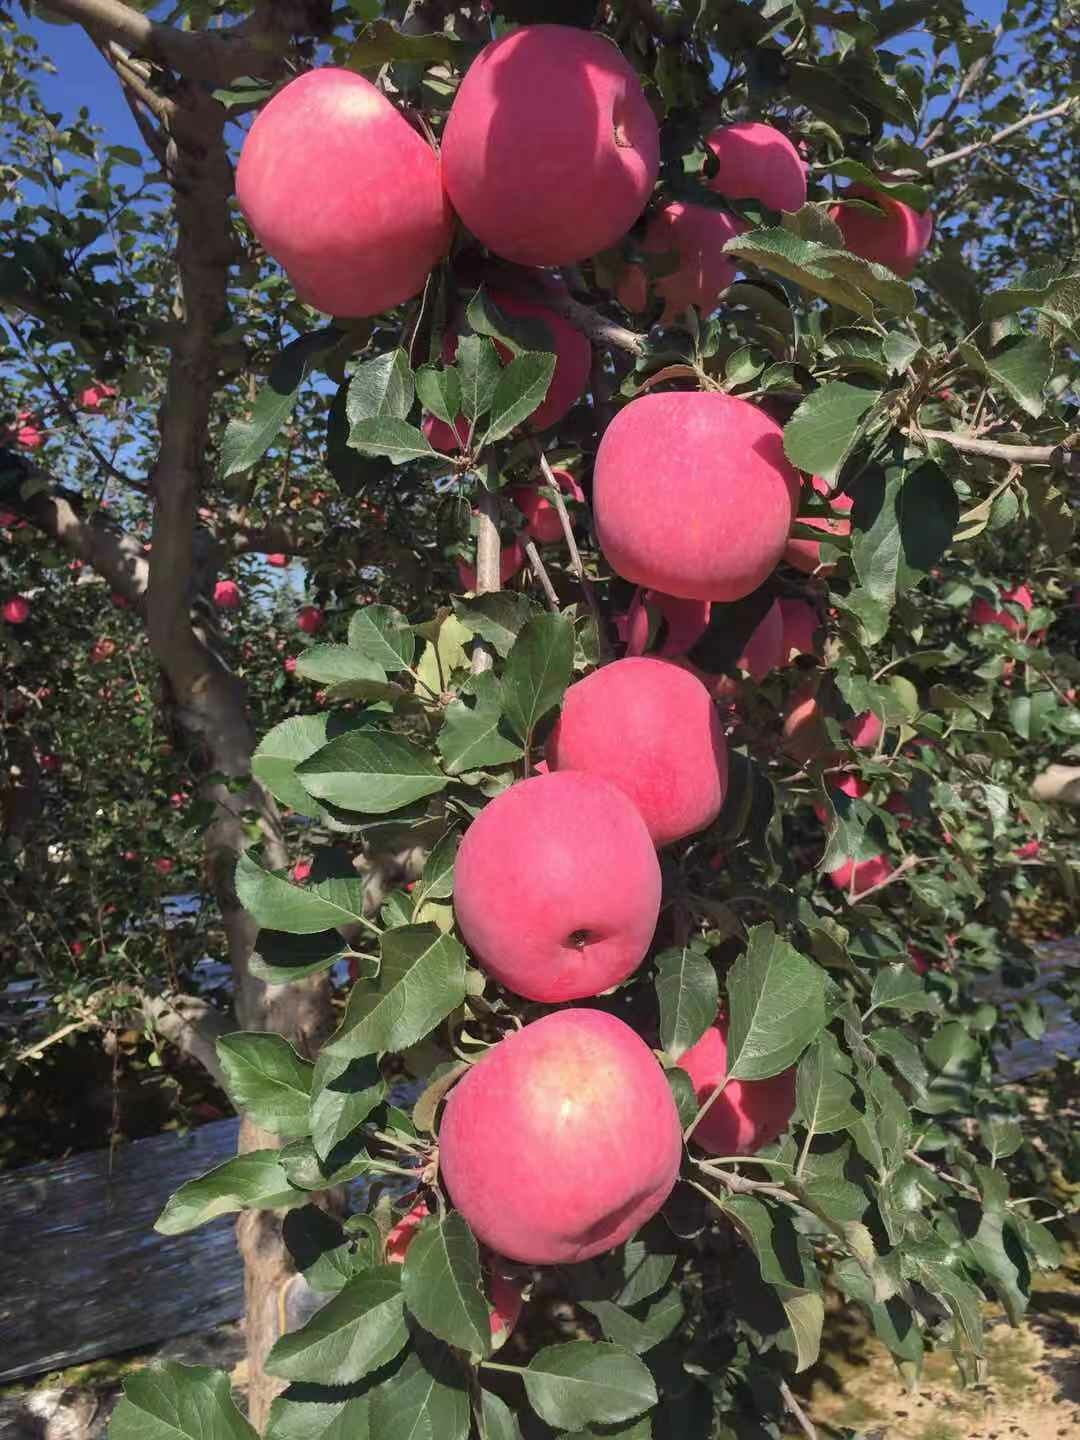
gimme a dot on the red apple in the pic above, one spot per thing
(847, 784)
(562, 1141)
(278, 560)
(804, 737)
(102, 650)
(696, 237)
(401, 1236)
(757, 162)
(301, 871)
(573, 361)
(801, 623)
(289, 664)
(805, 555)
(749, 1113)
(650, 728)
(94, 396)
(686, 621)
(693, 494)
(164, 865)
(310, 619)
(894, 235)
(765, 648)
(541, 517)
(227, 595)
(557, 887)
(50, 764)
(16, 611)
(982, 612)
(864, 730)
(918, 960)
(1030, 850)
(550, 150)
(857, 877)
(342, 191)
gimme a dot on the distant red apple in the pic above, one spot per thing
(694, 236)
(848, 784)
(310, 619)
(301, 871)
(50, 763)
(289, 664)
(982, 612)
(94, 396)
(77, 948)
(864, 730)
(805, 555)
(101, 650)
(765, 648)
(227, 595)
(164, 865)
(16, 611)
(277, 560)
(1030, 850)
(541, 517)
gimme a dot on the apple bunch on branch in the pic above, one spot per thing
(672, 1084)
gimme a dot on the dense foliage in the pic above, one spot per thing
(900, 728)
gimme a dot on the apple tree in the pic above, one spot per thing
(693, 406)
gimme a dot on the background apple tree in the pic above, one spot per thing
(174, 415)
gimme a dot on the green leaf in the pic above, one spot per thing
(382, 635)
(903, 1053)
(297, 909)
(440, 391)
(331, 664)
(1024, 370)
(538, 671)
(479, 367)
(178, 1402)
(381, 389)
(520, 334)
(897, 987)
(344, 1093)
(421, 979)
(359, 1330)
(776, 1004)
(280, 959)
(823, 1092)
(381, 44)
(442, 1284)
(253, 1181)
(682, 1089)
(960, 1296)
(689, 996)
(1029, 715)
(842, 1201)
(327, 1257)
(826, 428)
(268, 1080)
(246, 441)
(278, 754)
(903, 522)
(837, 275)
(425, 1400)
(639, 1334)
(1001, 1135)
(903, 190)
(317, 1412)
(371, 771)
(582, 1383)
(805, 1313)
(396, 439)
(521, 387)
(1036, 289)
(499, 1422)
(474, 737)
(437, 880)
(497, 617)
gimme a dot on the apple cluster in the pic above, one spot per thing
(565, 1138)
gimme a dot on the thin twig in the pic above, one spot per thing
(1033, 119)
(970, 78)
(909, 863)
(575, 554)
(539, 570)
(487, 565)
(1053, 455)
(798, 1414)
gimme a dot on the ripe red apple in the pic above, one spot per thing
(227, 595)
(857, 877)
(164, 865)
(94, 396)
(310, 619)
(918, 960)
(847, 784)
(16, 611)
(27, 431)
(651, 728)
(696, 236)
(801, 623)
(557, 887)
(982, 612)
(805, 555)
(864, 730)
(301, 871)
(550, 150)
(51, 765)
(686, 622)
(757, 162)
(749, 1113)
(693, 494)
(511, 559)
(342, 191)
(573, 361)
(562, 1141)
(894, 236)
(541, 517)
(804, 737)
(401, 1236)
(765, 647)
(289, 664)
(1030, 850)
(898, 804)
(278, 560)
(102, 650)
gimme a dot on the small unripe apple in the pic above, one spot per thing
(227, 595)
(856, 877)
(693, 494)
(562, 1141)
(541, 517)
(650, 728)
(696, 236)
(557, 887)
(342, 191)
(894, 235)
(573, 361)
(685, 622)
(310, 619)
(550, 150)
(748, 1113)
(757, 162)
(16, 611)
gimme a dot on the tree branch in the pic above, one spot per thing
(970, 78)
(1058, 457)
(1000, 135)
(488, 562)
(192, 1025)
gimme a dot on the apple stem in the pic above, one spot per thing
(575, 554)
